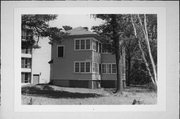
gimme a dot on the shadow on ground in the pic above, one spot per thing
(47, 91)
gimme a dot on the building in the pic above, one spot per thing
(35, 68)
(78, 61)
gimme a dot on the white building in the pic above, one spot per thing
(34, 63)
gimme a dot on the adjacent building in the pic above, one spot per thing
(35, 68)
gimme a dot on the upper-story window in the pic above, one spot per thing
(26, 51)
(88, 43)
(77, 44)
(26, 62)
(82, 44)
(60, 51)
(96, 46)
(27, 35)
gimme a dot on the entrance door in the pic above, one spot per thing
(35, 78)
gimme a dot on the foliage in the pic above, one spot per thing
(66, 28)
(36, 26)
(136, 71)
(113, 30)
(142, 31)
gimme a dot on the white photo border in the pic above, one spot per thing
(161, 94)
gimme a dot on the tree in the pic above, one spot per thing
(113, 31)
(140, 47)
(36, 26)
(67, 28)
(145, 32)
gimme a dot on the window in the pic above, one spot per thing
(26, 77)
(23, 35)
(88, 44)
(108, 68)
(26, 62)
(103, 68)
(97, 46)
(82, 44)
(60, 51)
(77, 44)
(77, 67)
(99, 68)
(96, 68)
(26, 51)
(82, 67)
(94, 45)
(100, 47)
(87, 66)
(113, 68)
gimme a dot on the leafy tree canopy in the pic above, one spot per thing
(38, 26)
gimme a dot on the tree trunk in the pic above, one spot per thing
(119, 87)
(149, 49)
(146, 37)
(116, 39)
(128, 71)
(123, 67)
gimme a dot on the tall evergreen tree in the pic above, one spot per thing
(112, 30)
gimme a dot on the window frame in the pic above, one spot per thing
(79, 44)
(90, 70)
(26, 63)
(75, 67)
(112, 68)
(85, 46)
(89, 43)
(63, 51)
(26, 74)
(84, 41)
(106, 68)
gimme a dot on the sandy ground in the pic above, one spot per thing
(54, 95)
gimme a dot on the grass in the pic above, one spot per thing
(54, 95)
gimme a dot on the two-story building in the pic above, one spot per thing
(78, 61)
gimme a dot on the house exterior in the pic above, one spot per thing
(78, 61)
(35, 68)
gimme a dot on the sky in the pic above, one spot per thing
(75, 21)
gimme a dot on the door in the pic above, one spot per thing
(35, 78)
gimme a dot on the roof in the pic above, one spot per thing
(80, 31)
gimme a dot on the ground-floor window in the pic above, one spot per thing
(95, 67)
(25, 77)
(81, 66)
(108, 68)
